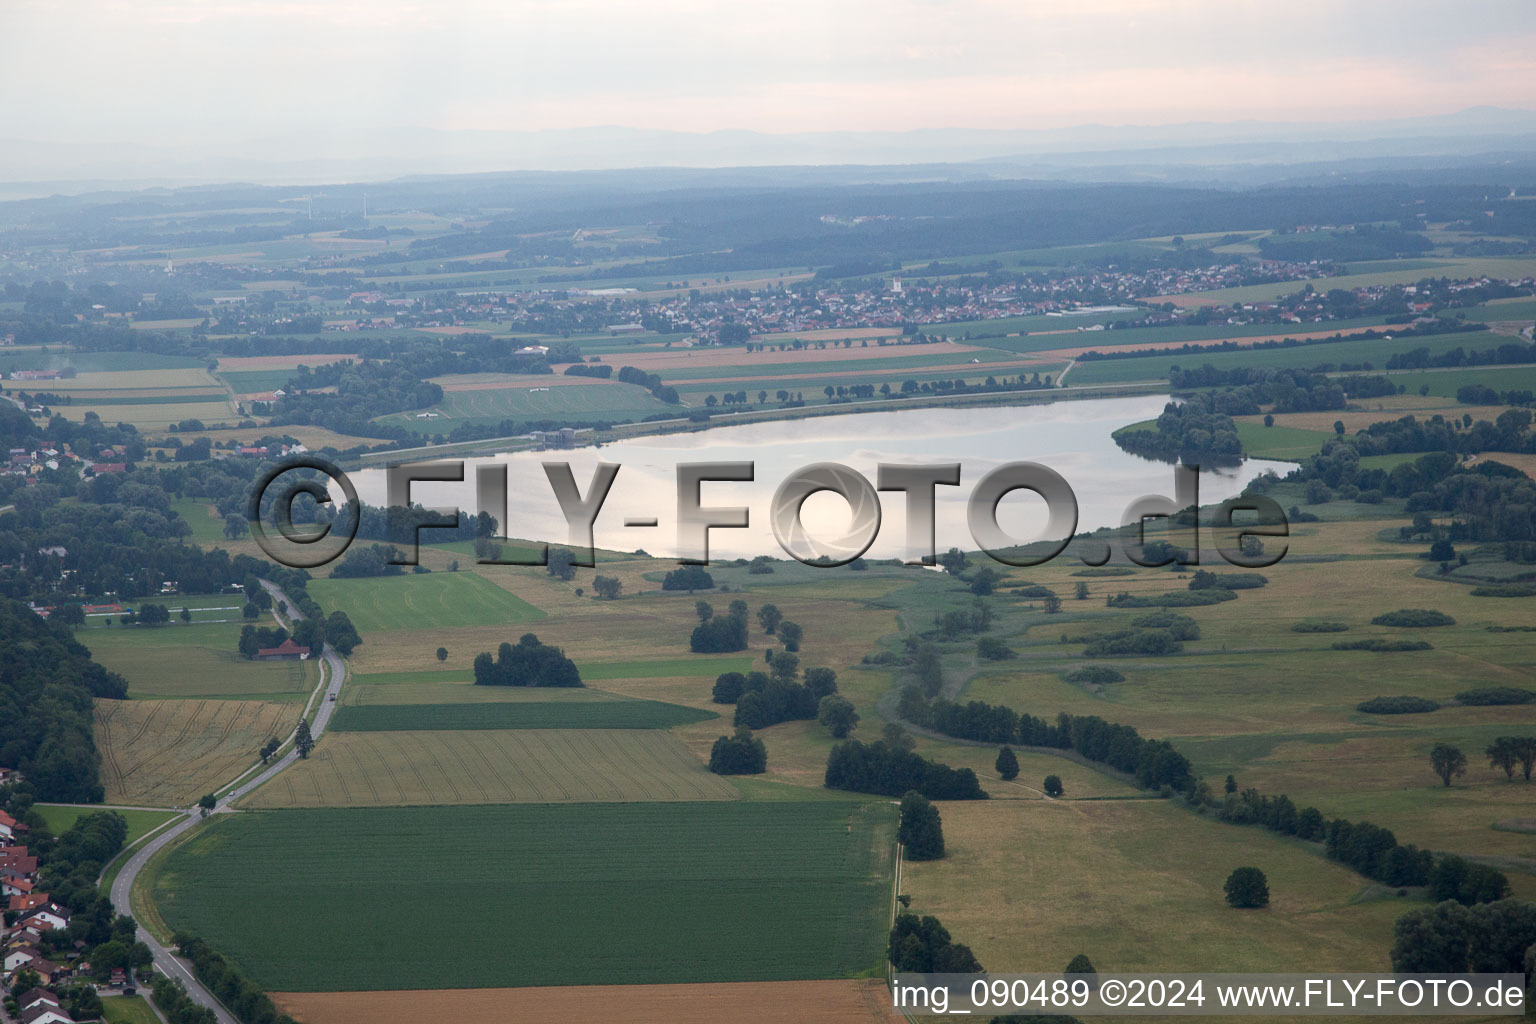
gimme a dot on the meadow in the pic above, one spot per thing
(128, 1010)
(1137, 887)
(522, 714)
(813, 1002)
(60, 818)
(423, 601)
(573, 894)
(165, 753)
(200, 660)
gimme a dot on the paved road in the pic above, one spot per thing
(122, 886)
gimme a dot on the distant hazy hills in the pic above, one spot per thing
(1245, 152)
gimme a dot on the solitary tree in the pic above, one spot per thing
(269, 748)
(208, 801)
(769, 617)
(1082, 591)
(921, 831)
(607, 587)
(837, 714)
(1447, 762)
(704, 610)
(562, 564)
(1502, 755)
(1052, 603)
(1053, 787)
(1080, 964)
(303, 742)
(791, 634)
(1247, 887)
(1230, 786)
(1525, 753)
(1007, 764)
(442, 654)
(236, 526)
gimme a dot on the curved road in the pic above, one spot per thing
(122, 886)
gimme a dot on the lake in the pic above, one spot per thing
(1071, 437)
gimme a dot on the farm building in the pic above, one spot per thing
(285, 651)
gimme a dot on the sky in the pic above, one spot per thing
(167, 71)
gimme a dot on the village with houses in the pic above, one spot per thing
(43, 980)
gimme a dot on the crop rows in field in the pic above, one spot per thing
(386, 769)
(567, 714)
(162, 753)
(474, 897)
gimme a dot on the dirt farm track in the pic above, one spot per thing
(777, 1002)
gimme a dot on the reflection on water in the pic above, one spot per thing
(1073, 438)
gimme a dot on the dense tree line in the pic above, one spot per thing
(1194, 430)
(1368, 849)
(920, 830)
(1154, 762)
(921, 945)
(47, 683)
(1451, 938)
(237, 992)
(530, 663)
(738, 754)
(1421, 358)
(890, 768)
(720, 633)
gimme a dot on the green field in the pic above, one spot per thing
(128, 1010)
(585, 402)
(1281, 442)
(250, 382)
(94, 362)
(1376, 352)
(1443, 383)
(194, 661)
(423, 601)
(1134, 336)
(573, 894)
(139, 822)
(591, 671)
(587, 714)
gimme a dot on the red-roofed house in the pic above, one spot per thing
(285, 651)
(9, 826)
(22, 904)
(13, 886)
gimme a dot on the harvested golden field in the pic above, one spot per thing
(384, 769)
(772, 1002)
(170, 752)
